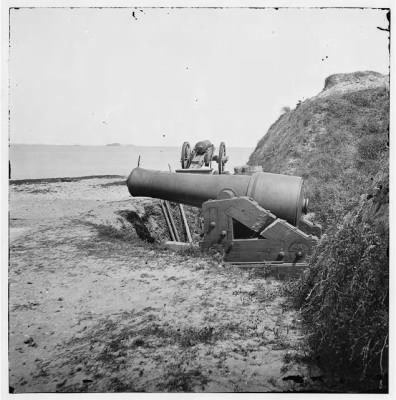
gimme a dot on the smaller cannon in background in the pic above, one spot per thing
(253, 218)
(199, 160)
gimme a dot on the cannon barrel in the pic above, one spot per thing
(283, 195)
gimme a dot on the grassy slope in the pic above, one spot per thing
(344, 294)
(339, 144)
(333, 142)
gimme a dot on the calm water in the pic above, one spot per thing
(39, 161)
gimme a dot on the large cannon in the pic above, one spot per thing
(254, 218)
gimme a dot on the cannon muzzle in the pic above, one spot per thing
(283, 195)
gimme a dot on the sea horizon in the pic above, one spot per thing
(44, 161)
(116, 145)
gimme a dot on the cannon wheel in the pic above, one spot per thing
(185, 155)
(222, 157)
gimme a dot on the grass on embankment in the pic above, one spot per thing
(339, 144)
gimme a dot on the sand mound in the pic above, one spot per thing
(354, 81)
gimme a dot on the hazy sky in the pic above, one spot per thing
(163, 76)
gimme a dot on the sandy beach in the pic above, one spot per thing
(93, 308)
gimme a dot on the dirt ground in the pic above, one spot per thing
(93, 308)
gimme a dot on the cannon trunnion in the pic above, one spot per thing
(255, 219)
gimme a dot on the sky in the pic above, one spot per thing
(162, 76)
